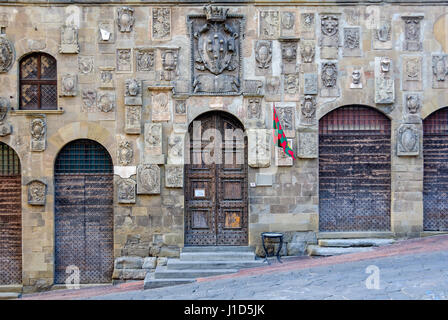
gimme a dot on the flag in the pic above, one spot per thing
(280, 135)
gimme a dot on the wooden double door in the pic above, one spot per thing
(216, 182)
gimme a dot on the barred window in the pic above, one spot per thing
(38, 82)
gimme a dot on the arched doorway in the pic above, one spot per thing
(84, 212)
(354, 170)
(10, 217)
(435, 176)
(216, 211)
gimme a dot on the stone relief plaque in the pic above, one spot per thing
(124, 60)
(69, 85)
(408, 140)
(412, 33)
(308, 145)
(310, 83)
(281, 158)
(38, 134)
(329, 39)
(254, 108)
(153, 138)
(180, 110)
(144, 59)
(308, 110)
(413, 105)
(382, 36)
(106, 102)
(259, 148)
(272, 88)
(160, 106)
(291, 86)
(133, 119)
(412, 73)
(288, 24)
(5, 127)
(169, 63)
(356, 81)
(7, 54)
(263, 57)
(161, 23)
(384, 82)
(88, 100)
(126, 190)
(329, 76)
(125, 19)
(69, 39)
(269, 25)
(133, 92)
(352, 42)
(37, 193)
(148, 179)
(216, 61)
(174, 176)
(106, 32)
(289, 55)
(307, 26)
(307, 51)
(125, 154)
(106, 77)
(439, 71)
(286, 116)
(253, 88)
(176, 149)
(85, 64)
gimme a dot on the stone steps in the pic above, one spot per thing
(333, 247)
(315, 250)
(162, 273)
(216, 256)
(217, 249)
(177, 264)
(9, 295)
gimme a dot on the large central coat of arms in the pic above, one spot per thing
(215, 50)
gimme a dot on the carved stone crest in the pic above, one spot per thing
(329, 40)
(38, 134)
(216, 51)
(439, 71)
(69, 85)
(126, 191)
(254, 110)
(263, 56)
(133, 118)
(308, 110)
(259, 148)
(174, 176)
(289, 55)
(352, 42)
(269, 24)
(272, 88)
(169, 63)
(106, 77)
(291, 84)
(125, 153)
(160, 106)
(329, 78)
(281, 158)
(384, 32)
(307, 25)
(307, 145)
(384, 82)
(408, 140)
(176, 149)
(356, 81)
(7, 54)
(145, 59)
(413, 105)
(412, 33)
(148, 179)
(106, 101)
(161, 23)
(85, 64)
(310, 86)
(125, 19)
(307, 51)
(37, 192)
(106, 32)
(253, 88)
(133, 92)
(89, 100)
(288, 24)
(286, 116)
(124, 60)
(412, 74)
(69, 39)
(153, 138)
(5, 128)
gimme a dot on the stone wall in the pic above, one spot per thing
(306, 68)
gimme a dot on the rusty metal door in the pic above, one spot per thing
(10, 217)
(354, 170)
(435, 177)
(216, 191)
(84, 212)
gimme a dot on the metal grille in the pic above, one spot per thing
(84, 212)
(38, 82)
(10, 217)
(435, 177)
(354, 170)
(83, 156)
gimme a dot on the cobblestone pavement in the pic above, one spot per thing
(410, 269)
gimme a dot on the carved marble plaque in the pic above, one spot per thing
(106, 77)
(133, 92)
(125, 153)
(169, 63)
(125, 19)
(88, 100)
(269, 24)
(174, 176)
(69, 85)
(308, 110)
(144, 59)
(382, 36)
(106, 32)
(440, 71)
(106, 102)
(412, 73)
(85, 64)
(37, 193)
(38, 134)
(180, 110)
(5, 127)
(352, 42)
(288, 24)
(289, 55)
(126, 190)
(286, 116)
(408, 140)
(329, 40)
(148, 179)
(310, 83)
(69, 39)
(413, 105)
(263, 57)
(384, 82)
(253, 88)
(216, 55)
(356, 79)
(254, 108)
(7, 54)
(412, 34)
(329, 76)
(272, 88)
(176, 149)
(133, 118)
(160, 106)
(291, 86)
(307, 26)
(153, 138)
(259, 148)
(124, 60)
(161, 23)
(308, 145)
(281, 158)
(307, 51)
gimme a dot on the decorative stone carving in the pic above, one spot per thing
(85, 64)
(161, 23)
(272, 88)
(352, 16)
(307, 25)
(126, 191)
(413, 105)
(144, 59)
(254, 109)
(169, 63)
(253, 88)
(124, 60)
(288, 24)
(308, 110)
(180, 111)
(106, 101)
(160, 110)
(352, 42)
(408, 140)
(329, 78)
(125, 153)
(308, 145)
(69, 85)
(269, 24)
(176, 149)
(125, 19)
(382, 37)
(384, 82)
(38, 134)
(133, 118)
(216, 51)
(307, 51)
(106, 32)
(286, 116)
(133, 92)
(356, 81)
(412, 74)
(289, 55)
(89, 100)
(5, 127)
(69, 39)
(291, 84)
(329, 39)
(7, 54)
(174, 176)
(439, 71)
(259, 148)
(153, 138)
(263, 57)
(310, 83)
(148, 179)
(412, 33)
(106, 77)
(37, 193)
(281, 158)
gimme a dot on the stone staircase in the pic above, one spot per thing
(198, 262)
(332, 247)
(8, 292)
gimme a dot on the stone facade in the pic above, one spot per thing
(133, 76)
